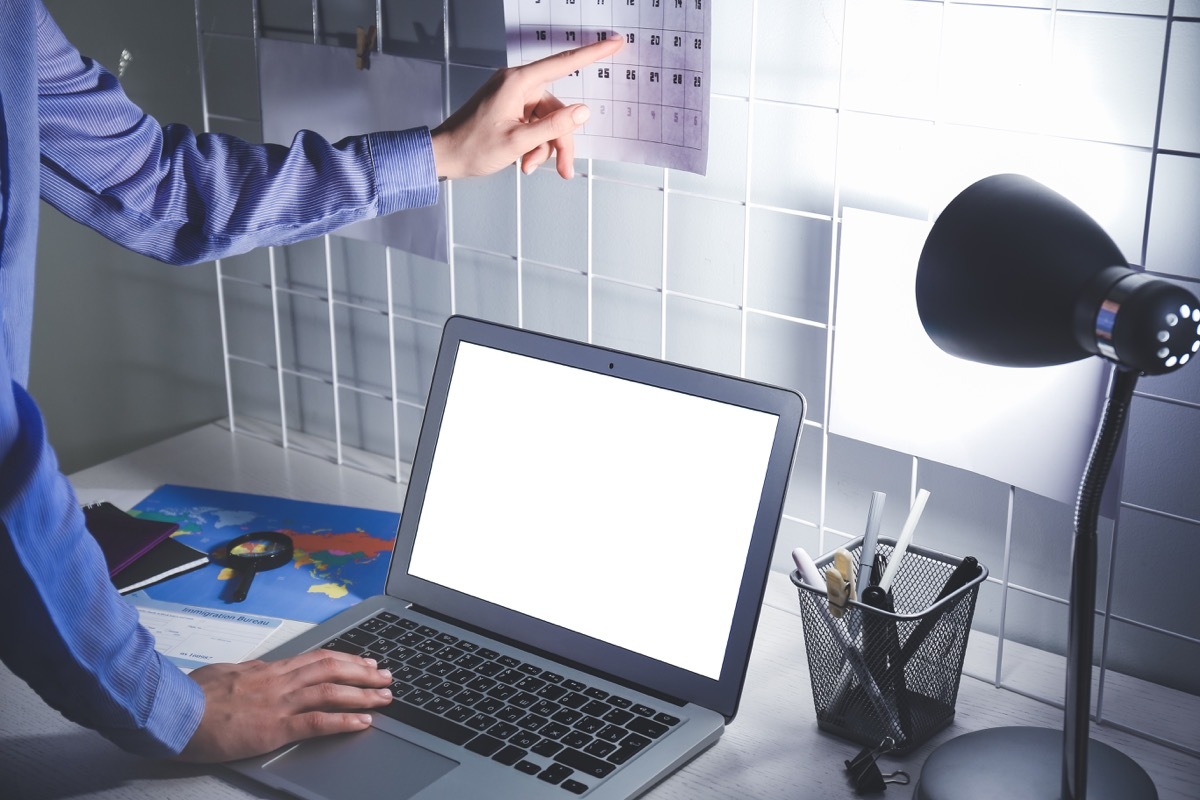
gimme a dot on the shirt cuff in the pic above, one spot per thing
(175, 715)
(405, 174)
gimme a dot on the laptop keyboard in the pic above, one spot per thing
(536, 721)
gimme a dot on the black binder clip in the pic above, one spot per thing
(865, 774)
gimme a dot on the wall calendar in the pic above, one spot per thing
(650, 100)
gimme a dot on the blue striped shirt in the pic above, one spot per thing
(70, 136)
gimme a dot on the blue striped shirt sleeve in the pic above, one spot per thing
(68, 633)
(171, 194)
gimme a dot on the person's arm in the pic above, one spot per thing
(79, 645)
(185, 198)
(66, 631)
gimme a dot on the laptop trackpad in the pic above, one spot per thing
(361, 766)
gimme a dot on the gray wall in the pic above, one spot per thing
(126, 350)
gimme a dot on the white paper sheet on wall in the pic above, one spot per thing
(317, 87)
(650, 101)
(893, 387)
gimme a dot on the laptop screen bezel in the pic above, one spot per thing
(656, 677)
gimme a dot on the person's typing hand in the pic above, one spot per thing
(513, 116)
(255, 707)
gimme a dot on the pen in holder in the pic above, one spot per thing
(890, 665)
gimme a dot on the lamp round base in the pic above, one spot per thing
(1025, 763)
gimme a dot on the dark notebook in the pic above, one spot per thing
(168, 557)
(123, 537)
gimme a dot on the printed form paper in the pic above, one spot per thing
(192, 636)
(650, 101)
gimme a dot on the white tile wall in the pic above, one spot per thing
(887, 105)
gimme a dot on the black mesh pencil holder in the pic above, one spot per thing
(877, 673)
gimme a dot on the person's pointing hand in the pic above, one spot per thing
(513, 117)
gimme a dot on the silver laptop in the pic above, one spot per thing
(578, 573)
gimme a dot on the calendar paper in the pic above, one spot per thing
(650, 100)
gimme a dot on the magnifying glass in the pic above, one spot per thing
(250, 554)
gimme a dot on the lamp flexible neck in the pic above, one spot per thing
(1077, 711)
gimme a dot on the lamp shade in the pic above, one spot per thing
(1014, 274)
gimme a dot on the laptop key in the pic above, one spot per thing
(502, 730)
(528, 767)
(489, 705)
(481, 684)
(468, 660)
(573, 700)
(667, 719)
(555, 731)
(524, 739)
(629, 748)
(432, 724)
(555, 773)
(381, 647)
(600, 748)
(576, 739)
(551, 692)
(647, 727)
(359, 637)
(574, 787)
(488, 668)
(342, 646)
(510, 713)
(392, 632)
(546, 748)
(485, 745)
(618, 716)
(508, 676)
(460, 713)
(510, 755)
(611, 733)
(581, 761)
(480, 722)
(589, 725)
(567, 716)
(596, 709)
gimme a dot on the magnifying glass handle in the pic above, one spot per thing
(244, 579)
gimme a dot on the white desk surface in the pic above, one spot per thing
(773, 748)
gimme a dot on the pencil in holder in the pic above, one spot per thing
(890, 673)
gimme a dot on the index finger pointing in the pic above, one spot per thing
(560, 65)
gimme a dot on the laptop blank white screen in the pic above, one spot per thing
(617, 510)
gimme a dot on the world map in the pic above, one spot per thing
(341, 553)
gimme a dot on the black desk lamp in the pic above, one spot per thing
(1016, 275)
